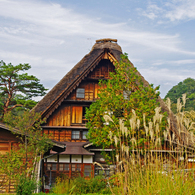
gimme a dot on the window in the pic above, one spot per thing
(75, 134)
(77, 114)
(48, 166)
(87, 170)
(78, 167)
(84, 120)
(84, 134)
(79, 134)
(61, 168)
(73, 167)
(52, 167)
(80, 93)
(66, 167)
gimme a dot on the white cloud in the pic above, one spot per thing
(18, 57)
(181, 10)
(152, 11)
(173, 10)
(183, 62)
(52, 23)
(49, 17)
(174, 62)
(159, 75)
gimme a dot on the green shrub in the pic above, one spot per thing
(98, 184)
(25, 186)
(81, 185)
(92, 185)
(63, 185)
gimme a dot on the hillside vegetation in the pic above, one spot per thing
(187, 86)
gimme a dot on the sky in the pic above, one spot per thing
(54, 35)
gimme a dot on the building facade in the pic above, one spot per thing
(64, 108)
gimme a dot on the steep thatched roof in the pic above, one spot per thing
(72, 79)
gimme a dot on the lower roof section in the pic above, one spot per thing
(74, 148)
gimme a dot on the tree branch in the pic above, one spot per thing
(17, 105)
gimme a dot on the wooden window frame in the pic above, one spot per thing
(78, 114)
(80, 134)
(75, 133)
(84, 120)
(84, 135)
(80, 93)
(64, 167)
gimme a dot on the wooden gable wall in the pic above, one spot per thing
(8, 141)
(69, 117)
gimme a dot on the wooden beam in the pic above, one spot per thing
(64, 127)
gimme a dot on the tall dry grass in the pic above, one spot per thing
(151, 162)
(157, 165)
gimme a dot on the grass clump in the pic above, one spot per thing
(150, 180)
(81, 185)
(63, 185)
(25, 186)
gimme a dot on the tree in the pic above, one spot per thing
(33, 141)
(10, 165)
(23, 103)
(185, 87)
(13, 82)
(20, 164)
(121, 97)
(22, 160)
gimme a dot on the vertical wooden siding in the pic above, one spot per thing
(58, 135)
(91, 82)
(4, 147)
(77, 113)
(102, 70)
(91, 91)
(61, 117)
(72, 114)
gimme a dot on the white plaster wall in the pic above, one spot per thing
(52, 159)
(76, 158)
(64, 158)
(87, 159)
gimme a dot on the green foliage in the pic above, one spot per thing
(25, 186)
(63, 185)
(24, 101)
(10, 165)
(32, 142)
(29, 125)
(13, 82)
(81, 185)
(124, 91)
(185, 87)
(156, 171)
